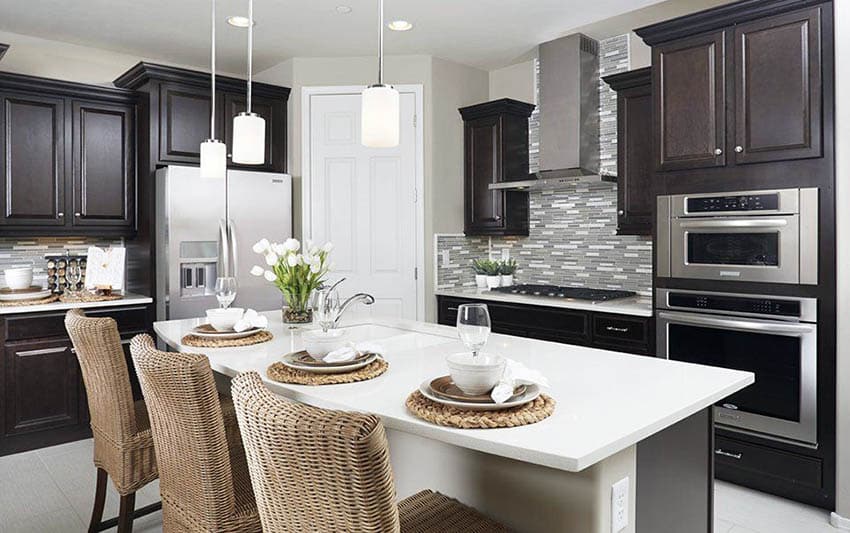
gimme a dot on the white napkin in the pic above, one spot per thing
(251, 319)
(516, 374)
(352, 351)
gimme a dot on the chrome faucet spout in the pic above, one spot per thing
(362, 297)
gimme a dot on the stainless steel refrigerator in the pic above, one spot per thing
(195, 244)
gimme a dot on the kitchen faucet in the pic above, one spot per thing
(329, 311)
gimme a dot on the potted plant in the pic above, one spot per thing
(491, 268)
(479, 267)
(295, 272)
(506, 271)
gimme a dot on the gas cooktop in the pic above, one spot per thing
(576, 293)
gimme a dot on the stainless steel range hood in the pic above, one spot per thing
(569, 116)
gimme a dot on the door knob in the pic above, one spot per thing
(739, 149)
(718, 151)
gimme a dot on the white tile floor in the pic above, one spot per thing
(51, 491)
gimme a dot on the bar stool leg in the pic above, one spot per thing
(99, 499)
(125, 513)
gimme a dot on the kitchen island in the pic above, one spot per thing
(617, 416)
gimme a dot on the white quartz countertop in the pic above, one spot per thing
(635, 306)
(128, 299)
(606, 401)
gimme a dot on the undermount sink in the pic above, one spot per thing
(372, 332)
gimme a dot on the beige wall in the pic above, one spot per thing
(514, 81)
(842, 144)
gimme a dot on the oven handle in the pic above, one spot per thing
(745, 325)
(755, 223)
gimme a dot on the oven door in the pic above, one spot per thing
(783, 355)
(761, 249)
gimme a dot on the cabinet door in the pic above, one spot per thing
(274, 113)
(778, 88)
(690, 103)
(634, 161)
(484, 209)
(184, 122)
(42, 388)
(104, 164)
(32, 162)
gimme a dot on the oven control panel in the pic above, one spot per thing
(738, 304)
(748, 202)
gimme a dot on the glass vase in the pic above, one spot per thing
(297, 310)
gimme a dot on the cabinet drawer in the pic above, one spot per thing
(45, 325)
(764, 461)
(617, 329)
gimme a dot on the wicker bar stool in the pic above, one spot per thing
(123, 446)
(328, 471)
(204, 481)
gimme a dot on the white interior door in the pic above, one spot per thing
(363, 200)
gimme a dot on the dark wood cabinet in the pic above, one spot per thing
(622, 333)
(67, 158)
(184, 118)
(104, 164)
(634, 151)
(690, 102)
(495, 150)
(32, 136)
(778, 88)
(272, 110)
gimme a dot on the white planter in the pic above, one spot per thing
(507, 280)
(493, 281)
(481, 281)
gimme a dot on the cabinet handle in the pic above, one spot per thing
(621, 212)
(497, 218)
(60, 215)
(77, 215)
(452, 309)
(43, 351)
(718, 151)
(739, 149)
(721, 451)
(618, 330)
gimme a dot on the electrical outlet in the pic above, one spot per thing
(445, 258)
(506, 254)
(620, 505)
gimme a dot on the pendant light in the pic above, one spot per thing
(379, 117)
(249, 129)
(213, 151)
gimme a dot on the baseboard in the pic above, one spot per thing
(839, 521)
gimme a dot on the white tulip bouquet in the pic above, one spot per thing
(295, 272)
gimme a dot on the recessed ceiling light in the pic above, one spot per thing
(343, 10)
(400, 25)
(239, 21)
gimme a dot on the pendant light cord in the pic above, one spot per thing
(212, 65)
(381, 42)
(250, 48)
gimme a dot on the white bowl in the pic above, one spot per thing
(475, 375)
(224, 319)
(320, 343)
(18, 277)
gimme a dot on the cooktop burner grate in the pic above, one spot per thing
(577, 293)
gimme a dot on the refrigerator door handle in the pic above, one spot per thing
(223, 251)
(231, 231)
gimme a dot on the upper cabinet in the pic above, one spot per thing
(67, 158)
(738, 84)
(180, 102)
(635, 198)
(495, 150)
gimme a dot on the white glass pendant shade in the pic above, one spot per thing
(249, 139)
(213, 159)
(380, 117)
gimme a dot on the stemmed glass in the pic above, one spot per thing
(473, 326)
(225, 291)
(73, 276)
(326, 308)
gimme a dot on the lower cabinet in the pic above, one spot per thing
(621, 333)
(43, 398)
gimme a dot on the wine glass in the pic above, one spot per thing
(73, 276)
(326, 308)
(473, 326)
(225, 291)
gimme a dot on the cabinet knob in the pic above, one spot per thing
(739, 149)
(77, 215)
(621, 212)
(60, 215)
(497, 218)
(718, 151)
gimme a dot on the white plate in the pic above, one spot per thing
(17, 297)
(531, 393)
(289, 360)
(225, 334)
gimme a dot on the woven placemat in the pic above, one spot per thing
(20, 303)
(444, 415)
(200, 342)
(281, 373)
(87, 297)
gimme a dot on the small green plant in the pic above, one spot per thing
(480, 266)
(491, 268)
(507, 268)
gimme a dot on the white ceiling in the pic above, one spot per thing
(481, 33)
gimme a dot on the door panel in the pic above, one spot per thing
(103, 164)
(485, 209)
(778, 88)
(363, 201)
(32, 136)
(634, 182)
(690, 103)
(184, 122)
(268, 109)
